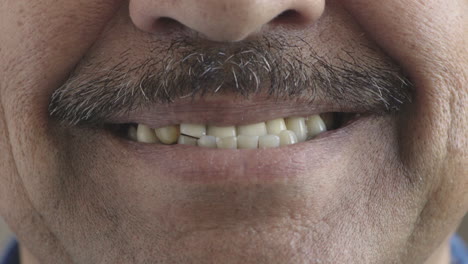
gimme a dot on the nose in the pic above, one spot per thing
(224, 20)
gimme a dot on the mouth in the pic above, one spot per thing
(273, 133)
(207, 119)
(233, 124)
(238, 141)
(229, 139)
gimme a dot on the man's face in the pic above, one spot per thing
(386, 184)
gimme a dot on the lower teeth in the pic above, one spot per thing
(270, 134)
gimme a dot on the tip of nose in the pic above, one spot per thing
(228, 22)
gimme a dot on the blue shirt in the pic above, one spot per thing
(457, 247)
(11, 255)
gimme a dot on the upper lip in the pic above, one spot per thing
(224, 111)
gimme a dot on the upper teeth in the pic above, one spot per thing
(270, 134)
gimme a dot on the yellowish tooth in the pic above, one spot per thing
(207, 142)
(247, 142)
(193, 130)
(226, 143)
(287, 137)
(329, 120)
(222, 132)
(184, 140)
(258, 129)
(298, 126)
(168, 135)
(145, 134)
(269, 141)
(132, 133)
(274, 127)
(315, 126)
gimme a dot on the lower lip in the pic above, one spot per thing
(202, 165)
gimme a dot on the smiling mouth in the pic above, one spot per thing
(247, 96)
(274, 133)
(183, 142)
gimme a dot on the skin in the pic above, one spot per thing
(386, 189)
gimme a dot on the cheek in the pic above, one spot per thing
(416, 33)
(424, 37)
(41, 42)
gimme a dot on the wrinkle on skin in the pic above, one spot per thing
(431, 49)
(88, 14)
(28, 216)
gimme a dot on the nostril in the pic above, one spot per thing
(289, 17)
(167, 25)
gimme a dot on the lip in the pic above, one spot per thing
(207, 166)
(226, 111)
